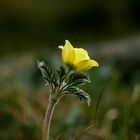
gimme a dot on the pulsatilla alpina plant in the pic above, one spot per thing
(66, 79)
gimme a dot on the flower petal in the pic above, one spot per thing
(86, 65)
(80, 54)
(60, 47)
(68, 54)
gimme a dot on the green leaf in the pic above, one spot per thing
(80, 93)
(61, 71)
(77, 78)
(47, 74)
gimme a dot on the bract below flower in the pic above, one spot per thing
(76, 58)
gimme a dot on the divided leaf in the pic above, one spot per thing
(80, 93)
(61, 71)
(47, 73)
(72, 80)
(78, 78)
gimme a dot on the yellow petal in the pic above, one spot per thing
(68, 54)
(70, 58)
(80, 54)
(60, 47)
(86, 65)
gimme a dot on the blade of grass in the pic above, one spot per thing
(99, 100)
(93, 123)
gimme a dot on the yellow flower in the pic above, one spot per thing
(76, 58)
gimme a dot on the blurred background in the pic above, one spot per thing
(32, 30)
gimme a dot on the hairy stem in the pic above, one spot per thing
(48, 117)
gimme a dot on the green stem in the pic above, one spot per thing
(48, 117)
